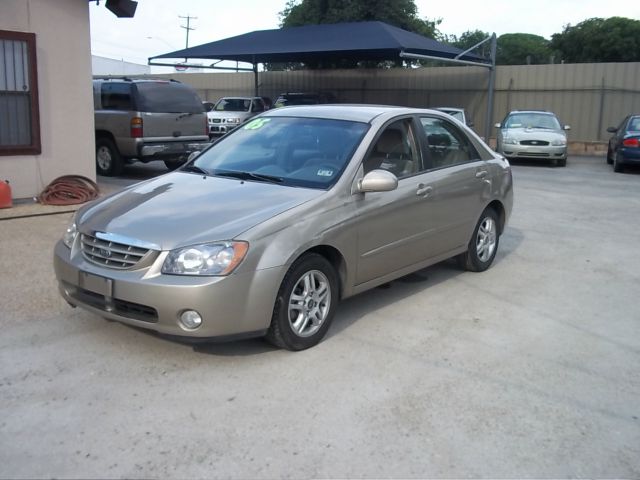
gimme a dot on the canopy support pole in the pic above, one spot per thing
(491, 89)
(255, 77)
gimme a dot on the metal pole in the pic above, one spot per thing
(255, 77)
(490, 93)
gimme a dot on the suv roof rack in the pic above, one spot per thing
(134, 78)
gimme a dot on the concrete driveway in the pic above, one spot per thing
(531, 369)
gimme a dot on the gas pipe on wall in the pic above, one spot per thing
(5, 194)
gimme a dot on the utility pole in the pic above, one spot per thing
(188, 27)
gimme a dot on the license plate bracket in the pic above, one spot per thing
(96, 284)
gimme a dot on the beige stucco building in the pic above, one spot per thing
(46, 103)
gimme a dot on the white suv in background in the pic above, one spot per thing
(229, 112)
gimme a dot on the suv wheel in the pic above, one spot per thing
(108, 160)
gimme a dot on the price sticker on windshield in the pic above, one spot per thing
(257, 123)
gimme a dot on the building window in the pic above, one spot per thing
(19, 118)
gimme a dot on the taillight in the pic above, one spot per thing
(136, 127)
(631, 142)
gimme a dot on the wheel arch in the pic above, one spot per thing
(105, 134)
(498, 207)
(335, 258)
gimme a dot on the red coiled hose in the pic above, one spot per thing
(69, 190)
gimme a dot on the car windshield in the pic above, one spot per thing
(168, 97)
(532, 120)
(298, 100)
(233, 105)
(291, 151)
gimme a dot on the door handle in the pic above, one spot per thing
(424, 190)
(481, 173)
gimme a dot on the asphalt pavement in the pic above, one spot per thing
(531, 369)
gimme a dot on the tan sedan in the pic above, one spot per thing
(267, 230)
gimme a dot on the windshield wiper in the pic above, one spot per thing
(195, 169)
(260, 177)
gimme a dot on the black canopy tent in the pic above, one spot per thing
(359, 41)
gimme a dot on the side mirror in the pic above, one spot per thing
(193, 155)
(498, 125)
(567, 127)
(469, 123)
(612, 129)
(378, 181)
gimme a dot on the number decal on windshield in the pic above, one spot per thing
(257, 123)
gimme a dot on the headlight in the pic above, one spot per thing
(70, 235)
(208, 259)
(561, 142)
(233, 120)
(510, 140)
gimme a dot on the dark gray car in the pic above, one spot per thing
(265, 232)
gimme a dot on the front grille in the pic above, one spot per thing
(533, 154)
(217, 120)
(111, 254)
(123, 308)
(536, 143)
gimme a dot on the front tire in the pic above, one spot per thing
(305, 304)
(174, 164)
(108, 160)
(609, 156)
(483, 245)
(561, 162)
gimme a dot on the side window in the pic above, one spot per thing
(395, 150)
(447, 144)
(116, 96)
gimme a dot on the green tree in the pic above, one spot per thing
(399, 13)
(470, 38)
(615, 39)
(523, 49)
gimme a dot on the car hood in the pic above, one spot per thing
(534, 134)
(181, 209)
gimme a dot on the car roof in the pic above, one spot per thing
(355, 113)
(240, 98)
(545, 112)
(449, 109)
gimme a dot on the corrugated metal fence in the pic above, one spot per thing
(589, 97)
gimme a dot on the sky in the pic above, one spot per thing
(156, 27)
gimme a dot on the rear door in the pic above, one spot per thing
(170, 111)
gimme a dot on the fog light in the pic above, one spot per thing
(190, 320)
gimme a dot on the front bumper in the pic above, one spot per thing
(235, 305)
(221, 129)
(534, 151)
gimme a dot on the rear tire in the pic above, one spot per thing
(108, 159)
(618, 166)
(483, 245)
(305, 304)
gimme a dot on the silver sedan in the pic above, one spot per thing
(266, 231)
(533, 134)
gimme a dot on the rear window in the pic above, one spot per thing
(168, 97)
